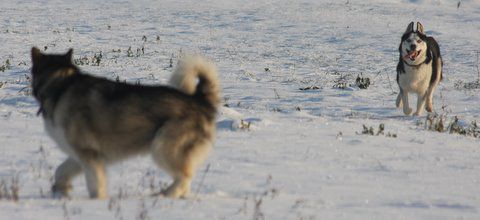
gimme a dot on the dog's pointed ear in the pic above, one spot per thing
(409, 28)
(69, 55)
(420, 28)
(36, 55)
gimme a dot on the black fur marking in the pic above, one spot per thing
(434, 50)
(59, 87)
(146, 97)
(48, 89)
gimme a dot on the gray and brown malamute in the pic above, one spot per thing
(97, 122)
(419, 69)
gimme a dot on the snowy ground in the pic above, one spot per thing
(290, 164)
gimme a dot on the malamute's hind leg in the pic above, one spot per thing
(180, 187)
(170, 156)
(63, 177)
(179, 153)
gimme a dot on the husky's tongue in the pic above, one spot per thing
(413, 54)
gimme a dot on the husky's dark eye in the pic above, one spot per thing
(419, 41)
(408, 40)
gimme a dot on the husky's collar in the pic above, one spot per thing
(415, 65)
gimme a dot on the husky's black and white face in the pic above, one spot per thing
(413, 47)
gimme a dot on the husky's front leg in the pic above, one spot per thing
(406, 108)
(420, 103)
(63, 177)
(399, 103)
(429, 100)
(96, 178)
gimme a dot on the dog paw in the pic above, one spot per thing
(60, 195)
(419, 112)
(59, 192)
(175, 192)
(98, 196)
(407, 111)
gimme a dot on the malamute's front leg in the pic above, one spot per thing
(180, 187)
(96, 178)
(420, 103)
(63, 177)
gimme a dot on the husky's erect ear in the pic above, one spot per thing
(409, 28)
(36, 55)
(68, 55)
(420, 28)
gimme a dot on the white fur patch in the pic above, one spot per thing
(185, 77)
(416, 79)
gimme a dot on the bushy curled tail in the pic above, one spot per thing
(197, 76)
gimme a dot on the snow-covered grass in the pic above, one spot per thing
(281, 152)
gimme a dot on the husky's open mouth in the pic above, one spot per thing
(412, 55)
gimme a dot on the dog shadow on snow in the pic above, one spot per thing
(378, 113)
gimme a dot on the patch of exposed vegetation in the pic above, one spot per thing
(459, 84)
(137, 53)
(380, 131)
(9, 188)
(6, 66)
(309, 88)
(244, 125)
(340, 82)
(362, 82)
(344, 81)
(95, 60)
(438, 123)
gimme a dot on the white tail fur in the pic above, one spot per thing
(196, 75)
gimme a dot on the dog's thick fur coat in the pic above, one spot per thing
(97, 122)
(419, 69)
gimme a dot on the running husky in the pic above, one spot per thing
(419, 69)
(97, 122)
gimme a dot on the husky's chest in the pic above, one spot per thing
(415, 79)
